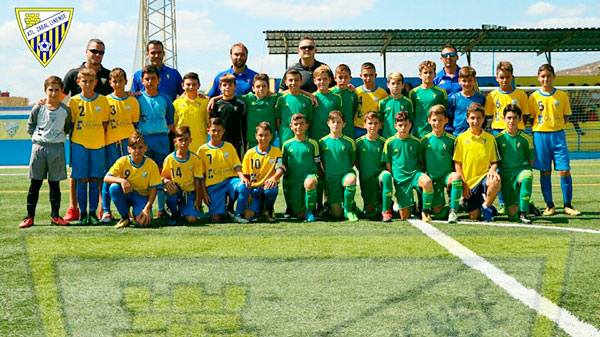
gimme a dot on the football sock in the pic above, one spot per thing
(93, 196)
(105, 198)
(161, 200)
(525, 194)
(310, 199)
(349, 193)
(118, 198)
(546, 182)
(242, 199)
(427, 200)
(54, 198)
(386, 190)
(82, 195)
(172, 202)
(455, 194)
(271, 196)
(32, 196)
(566, 185)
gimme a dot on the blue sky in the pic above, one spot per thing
(206, 30)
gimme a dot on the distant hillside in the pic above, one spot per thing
(590, 69)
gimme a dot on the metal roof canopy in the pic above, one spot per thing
(487, 39)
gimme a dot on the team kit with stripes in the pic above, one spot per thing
(221, 157)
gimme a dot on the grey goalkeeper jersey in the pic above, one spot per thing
(49, 126)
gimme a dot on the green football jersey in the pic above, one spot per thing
(368, 157)
(258, 111)
(337, 155)
(327, 103)
(423, 100)
(437, 154)
(349, 107)
(403, 155)
(388, 108)
(300, 159)
(288, 105)
(515, 151)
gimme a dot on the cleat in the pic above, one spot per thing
(523, 219)
(27, 222)
(93, 220)
(72, 214)
(572, 211)
(172, 221)
(425, 217)
(106, 217)
(488, 214)
(549, 211)
(84, 219)
(452, 216)
(386, 216)
(122, 223)
(310, 217)
(270, 215)
(164, 215)
(288, 213)
(502, 210)
(59, 221)
(239, 219)
(534, 210)
(351, 216)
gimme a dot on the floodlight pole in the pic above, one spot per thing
(157, 22)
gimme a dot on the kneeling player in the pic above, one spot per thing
(476, 161)
(300, 160)
(401, 157)
(183, 177)
(223, 172)
(263, 165)
(133, 181)
(437, 149)
(517, 155)
(374, 178)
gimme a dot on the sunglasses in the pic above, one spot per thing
(310, 47)
(96, 51)
(452, 54)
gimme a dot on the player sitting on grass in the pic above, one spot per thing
(124, 114)
(263, 165)
(374, 178)
(424, 97)
(550, 109)
(401, 157)
(48, 126)
(183, 178)
(516, 159)
(349, 97)
(223, 172)
(300, 159)
(90, 114)
(459, 102)
(191, 111)
(394, 103)
(476, 161)
(291, 103)
(338, 153)
(133, 181)
(437, 149)
(327, 102)
(156, 119)
(369, 95)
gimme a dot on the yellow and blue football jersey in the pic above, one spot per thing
(193, 114)
(219, 162)
(123, 113)
(549, 111)
(141, 177)
(497, 100)
(261, 166)
(183, 171)
(88, 115)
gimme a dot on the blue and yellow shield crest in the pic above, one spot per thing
(44, 30)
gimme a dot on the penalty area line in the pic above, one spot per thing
(500, 224)
(543, 306)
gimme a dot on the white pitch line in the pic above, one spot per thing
(12, 174)
(499, 224)
(543, 306)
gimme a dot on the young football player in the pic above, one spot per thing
(394, 103)
(291, 103)
(191, 111)
(327, 102)
(459, 102)
(349, 97)
(424, 97)
(369, 95)
(232, 111)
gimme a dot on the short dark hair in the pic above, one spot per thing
(546, 66)
(227, 78)
(298, 116)
(239, 44)
(342, 67)
(97, 41)
(504, 66)
(449, 46)
(116, 72)
(135, 138)
(513, 108)
(54, 80)
(157, 42)
(402, 116)
(215, 121)
(336, 113)
(475, 107)
(367, 65)
(373, 114)
(150, 69)
(438, 109)
(191, 76)
(182, 130)
(261, 77)
(265, 126)
(292, 72)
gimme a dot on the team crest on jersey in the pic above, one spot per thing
(271, 161)
(144, 174)
(226, 154)
(44, 30)
(518, 145)
(97, 108)
(515, 101)
(11, 128)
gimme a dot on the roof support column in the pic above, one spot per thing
(469, 58)
(548, 57)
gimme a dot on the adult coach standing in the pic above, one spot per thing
(170, 79)
(306, 65)
(94, 54)
(447, 78)
(244, 76)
